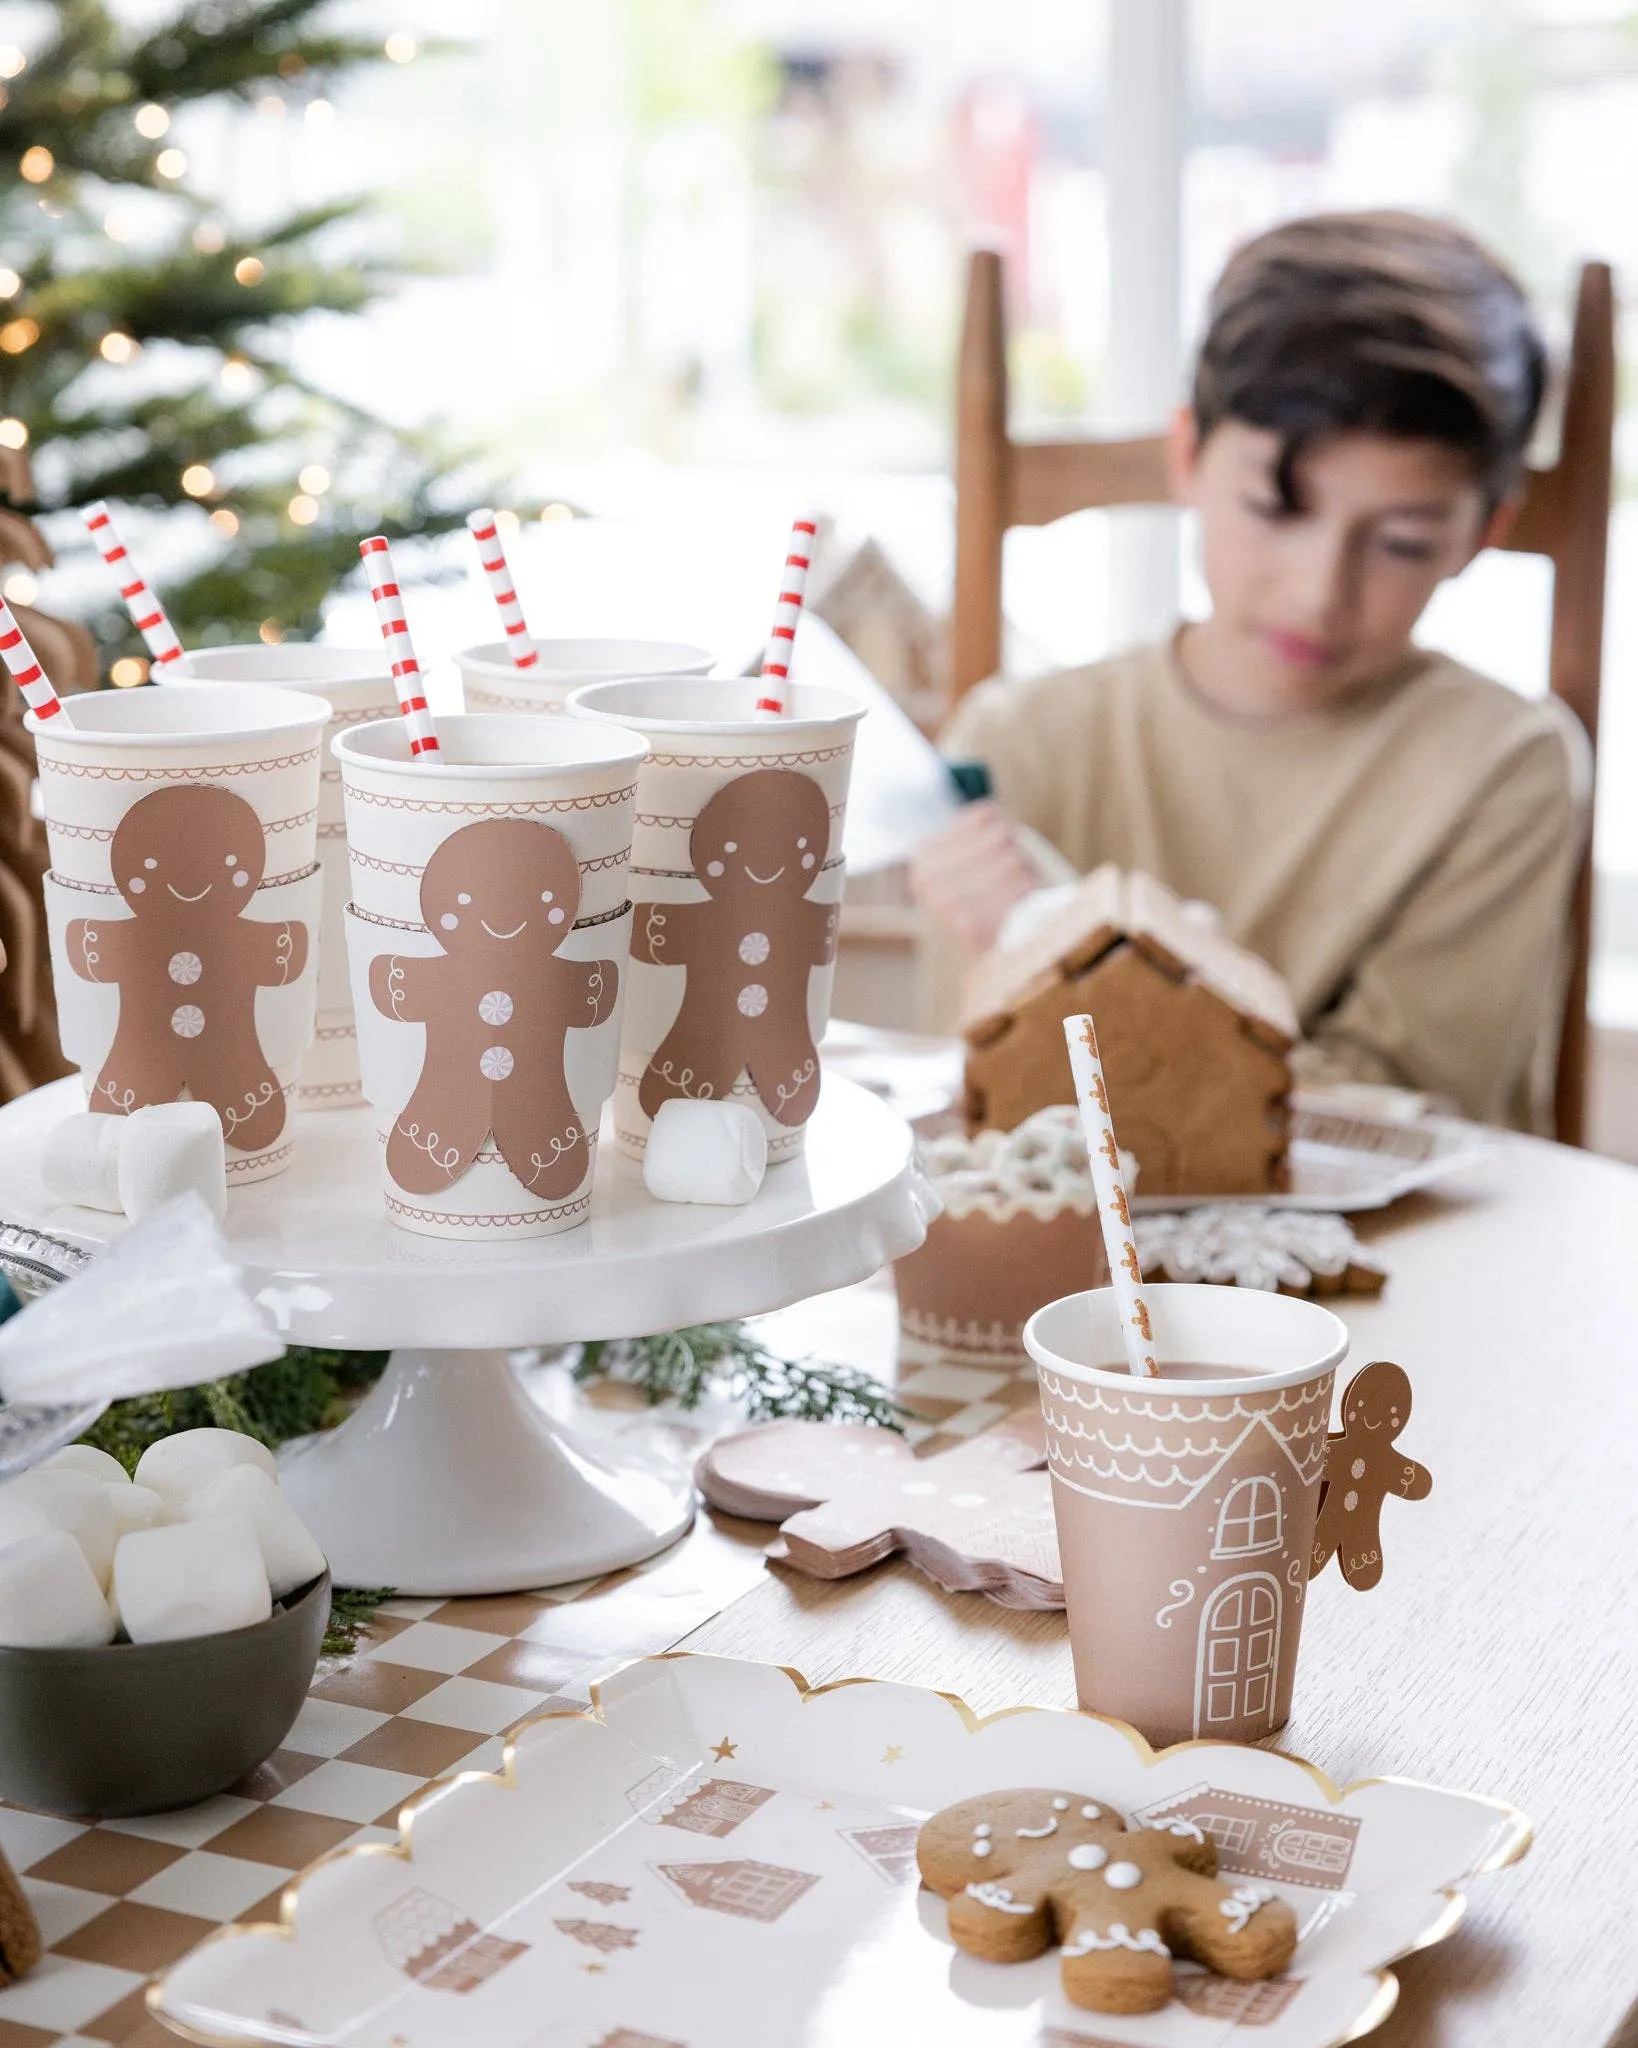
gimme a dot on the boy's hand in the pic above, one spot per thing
(969, 876)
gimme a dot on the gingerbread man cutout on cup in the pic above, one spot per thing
(188, 963)
(1362, 1467)
(500, 897)
(757, 846)
(1026, 1869)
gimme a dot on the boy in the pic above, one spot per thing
(1396, 834)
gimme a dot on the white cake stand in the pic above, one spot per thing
(448, 1478)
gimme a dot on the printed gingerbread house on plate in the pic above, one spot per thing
(1194, 1032)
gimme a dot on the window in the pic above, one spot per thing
(1250, 1521)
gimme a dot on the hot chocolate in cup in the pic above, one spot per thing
(1186, 1503)
(357, 686)
(736, 879)
(492, 681)
(183, 901)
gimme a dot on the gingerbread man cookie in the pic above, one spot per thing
(757, 847)
(1362, 1467)
(500, 897)
(188, 962)
(1025, 1870)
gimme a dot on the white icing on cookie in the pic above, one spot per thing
(999, 1897)
(1090, 1812)
(1060, 1804)
(1123, 1877)
(1036, 1834)
(1241, 1903)
(1088, 1856)
(1184, 1829)
(1087, 1940)
(983, 1828)
(983, 1848)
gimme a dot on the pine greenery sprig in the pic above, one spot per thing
(726, 1358)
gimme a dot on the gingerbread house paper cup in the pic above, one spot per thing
(184, 901)
(488, 936)
(737, 881)
(492, 681)
(1186, 1504)
(357, 687)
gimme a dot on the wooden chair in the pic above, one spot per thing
(1565, 516)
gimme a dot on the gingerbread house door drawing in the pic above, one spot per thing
(1238, 1654)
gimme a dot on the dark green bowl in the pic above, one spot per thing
(142, 1727)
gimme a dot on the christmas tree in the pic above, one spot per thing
(148, 364)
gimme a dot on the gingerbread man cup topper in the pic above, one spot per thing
(500, 897)
(188, 962)
(1362, 1467)
(1024, 1870)
(749, 951)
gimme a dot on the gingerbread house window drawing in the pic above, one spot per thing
(1194, 1031)
(1234, 1479)
(743, 1888)
(1251, 1520)
(440, 1946)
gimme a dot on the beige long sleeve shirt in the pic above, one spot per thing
(1405, 860)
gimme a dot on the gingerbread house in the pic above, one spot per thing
(1194, 1032)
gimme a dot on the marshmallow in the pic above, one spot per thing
(137, 1507)
(81, 1505)
(79, 1161)
(88, 1459)
(289, 1553)
(713, 1152)
(175, 1465)
(191, 1579)
(49, 1598)
(138, 1163)
(166, 1149)
(21, 1518)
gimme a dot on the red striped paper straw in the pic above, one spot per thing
(406, 670)
(25, 668)
(493, 556)
(148, 615)
(793, 588)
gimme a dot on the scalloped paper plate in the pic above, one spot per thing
(717, 1857)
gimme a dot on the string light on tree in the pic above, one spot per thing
(507, 523)
(116, 348)
(551, 514)
(10, 283)
(270, 632)
(225, 521)
(127, 672)
(401, 47)
(314, 479)
(171, 163)
(13, 60)
(37, 164)
(18, 335)
(152, 120)
(20, 587)
(237, 378)
(320, 114)
(198, 480)
(13, 434)
(302, 510)
(209, 238)
(250, 270)
(119, 226)
(272, 106)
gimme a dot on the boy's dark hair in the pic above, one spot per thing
(1386, 323)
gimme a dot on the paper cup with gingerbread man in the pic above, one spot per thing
(357, 687)
(737, 878)
(492, 681)
(488, 936)
(1186, 1503)
(183, 901)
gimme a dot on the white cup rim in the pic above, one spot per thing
(816, 707)
(1237, 1310)
(576, 659)
(382, 745)
(218, 714)
(329, 666)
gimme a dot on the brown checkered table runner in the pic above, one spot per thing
(434, 1687)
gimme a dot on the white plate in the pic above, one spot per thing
(719, 1858)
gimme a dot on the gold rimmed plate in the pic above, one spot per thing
(718, 1856)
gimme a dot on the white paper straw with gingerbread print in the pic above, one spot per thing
(774, 691)
(1114, 1211)
(148, 615)
(406, 670)
(25, 668)
(492, 554)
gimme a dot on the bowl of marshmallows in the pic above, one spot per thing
(157, 1633)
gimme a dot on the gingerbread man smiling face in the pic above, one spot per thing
(188, 962)
(500, 897)
(749, 951)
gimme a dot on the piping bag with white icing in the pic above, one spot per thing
(162, 1307)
